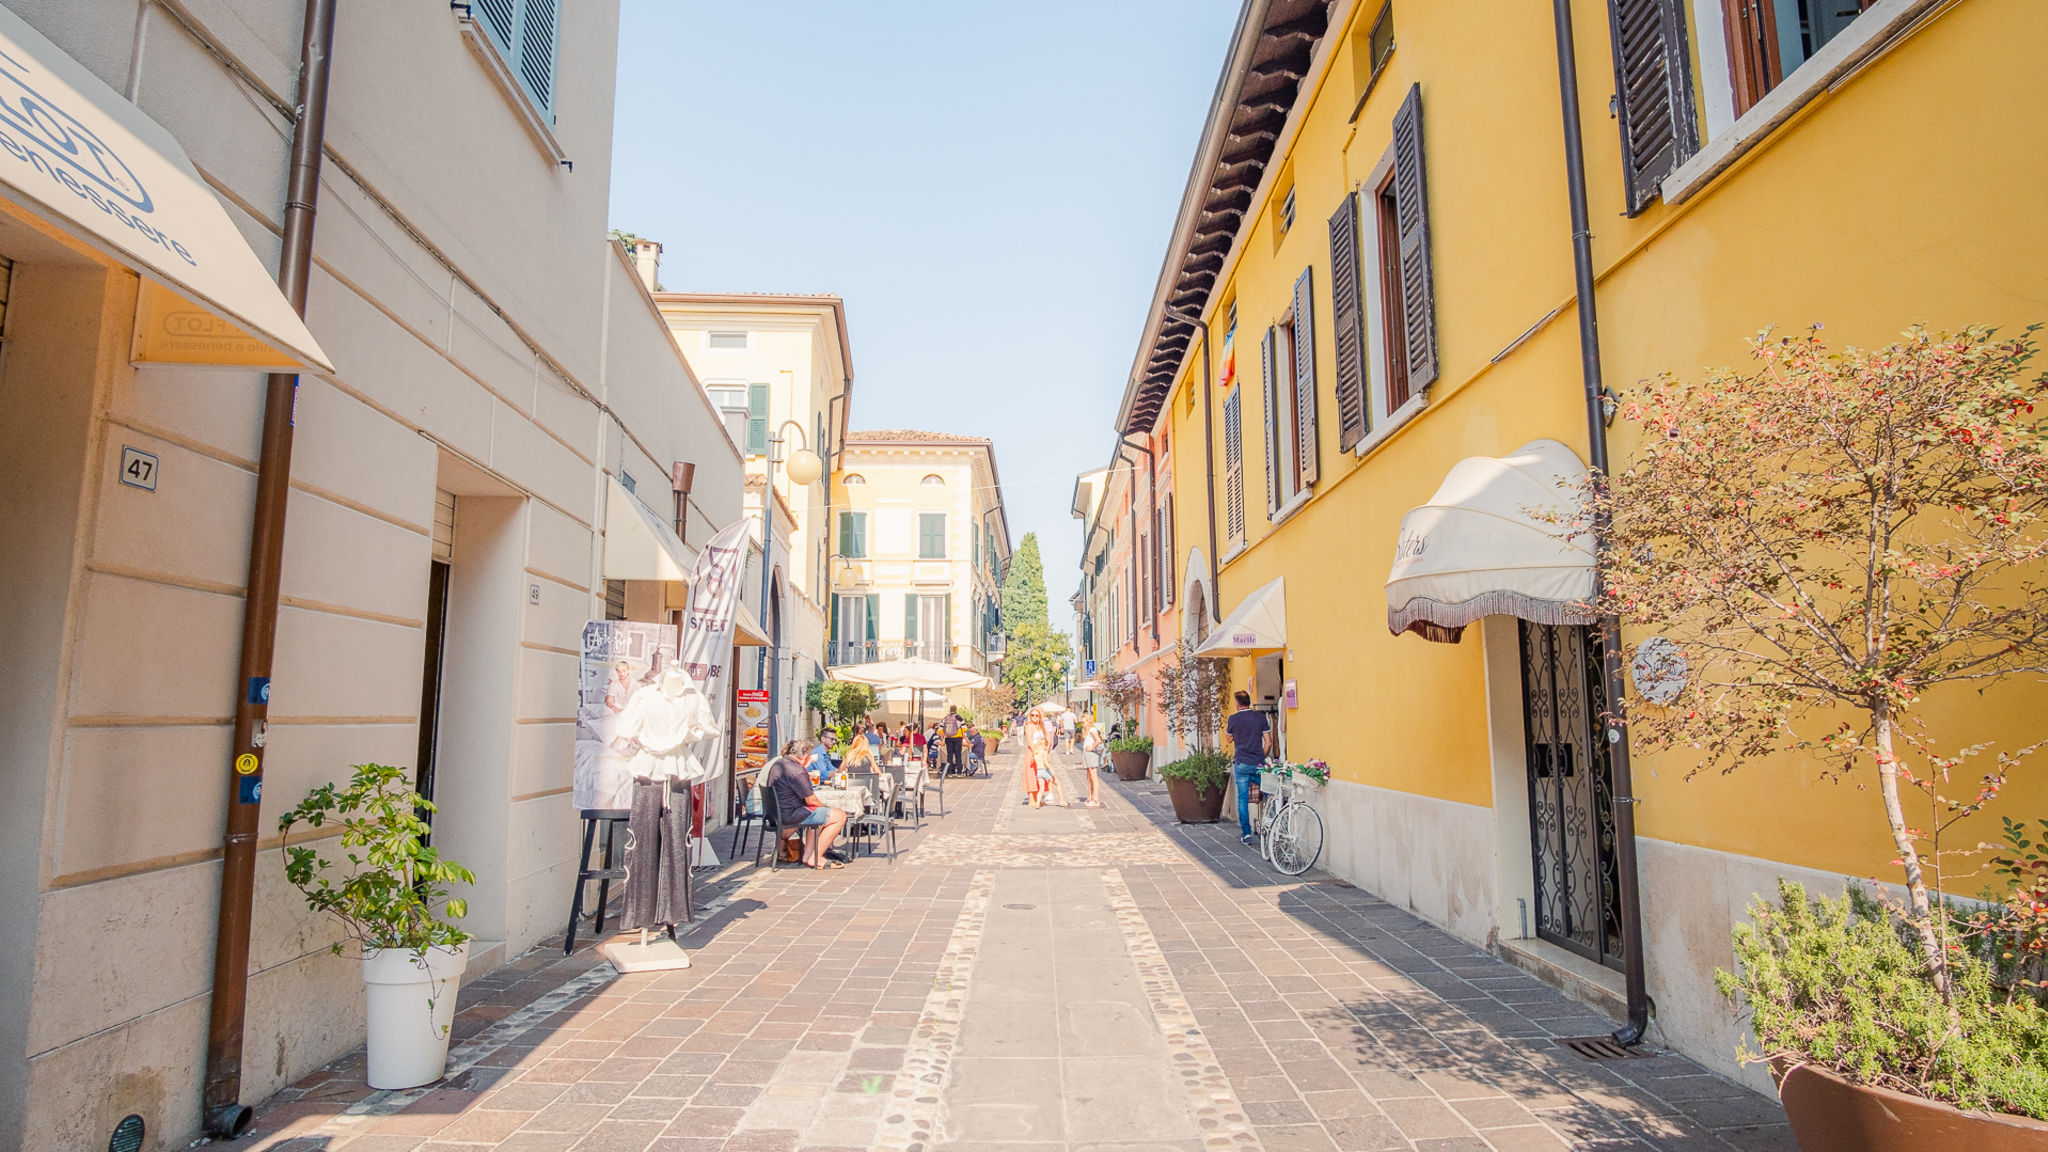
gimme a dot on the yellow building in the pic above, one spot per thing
(1371, 278)
(921, 542)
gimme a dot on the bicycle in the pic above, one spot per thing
(1290, 831)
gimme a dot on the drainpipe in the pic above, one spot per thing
(1208, 459)
(221, 1107)
(1152, 515)
(1625, 800)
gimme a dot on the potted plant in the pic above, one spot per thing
(1197, 784)
(385, 900)
(1131, 756)
(1839, 534)
(999, 702)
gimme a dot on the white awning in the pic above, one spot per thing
(746, 630)
(1497, 539)
(910, 673)
(78, 157)
(1258, 624)
(638, 545)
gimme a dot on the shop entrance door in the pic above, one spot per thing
(1571, 792)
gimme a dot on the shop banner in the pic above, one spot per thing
(620, 657)
(707, 632)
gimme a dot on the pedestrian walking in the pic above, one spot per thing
(952, 727)
(1052, 731)
(1251, 741)
(1067, 731)
(1092, 745)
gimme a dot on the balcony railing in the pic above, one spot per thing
(870, 651)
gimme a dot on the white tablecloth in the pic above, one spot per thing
(852, 801)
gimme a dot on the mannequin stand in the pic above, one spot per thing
(659, 954)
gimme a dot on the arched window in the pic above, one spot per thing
(933, 478)
(854, 478)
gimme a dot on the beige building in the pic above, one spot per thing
(502, 387)
(921, 543)
(781, 373)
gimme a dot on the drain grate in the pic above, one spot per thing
(1600, 1048)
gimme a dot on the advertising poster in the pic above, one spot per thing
(620, 657)
(753, 719)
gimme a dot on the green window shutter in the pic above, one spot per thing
(910, 617)
(874, 616)
(838, 606)
(946, 625)
(931, 535)
(757, 419)
(853, 534)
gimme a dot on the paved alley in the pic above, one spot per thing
(1031, 982)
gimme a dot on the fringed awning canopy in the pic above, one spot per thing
(1497, 539)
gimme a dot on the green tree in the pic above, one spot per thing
(1024, 589)
(1038, 658)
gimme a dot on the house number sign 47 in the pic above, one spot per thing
(138, 469)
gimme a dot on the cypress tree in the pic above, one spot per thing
(1024, 588)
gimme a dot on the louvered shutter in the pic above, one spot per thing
(1168, 559)
(1269, 361)
(1305, 439)
(1233, 466)
(1653, 86)
(757, 419)
(874, 617)
(910, 618)
(527, 34)
(1411, 212)
(838, 610)
(1347, 317)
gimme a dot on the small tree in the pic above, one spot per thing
(1037, 659)
(1124, 692)
(1194, 692)
(996, 703)
(839, 701)
(1838, 531)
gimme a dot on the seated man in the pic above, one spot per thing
(799, 806)
(977, 743)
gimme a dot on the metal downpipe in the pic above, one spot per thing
(1627, 880)
(221, 1109)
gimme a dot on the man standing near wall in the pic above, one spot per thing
(1251, 741)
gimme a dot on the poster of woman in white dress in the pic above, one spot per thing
(620, 657)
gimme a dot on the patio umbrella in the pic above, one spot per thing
(919, 675)
(1054, 706)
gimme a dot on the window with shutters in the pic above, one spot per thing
(1398, 301)
(1347, 324)
(1653, 105)
(526, 35)
(1288, 362)
(1233, 469)
(853, 534)
(931, 535)
(1765, 41)
(757, 419)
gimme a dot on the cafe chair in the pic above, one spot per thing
(870, 827)
(771, 814)
(747, 812)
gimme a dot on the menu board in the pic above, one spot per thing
(753, 723)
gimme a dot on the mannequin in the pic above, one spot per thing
(661, 724)
(661, 721)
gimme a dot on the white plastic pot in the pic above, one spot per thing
(412, 1011)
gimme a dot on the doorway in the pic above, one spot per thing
(1571, 791)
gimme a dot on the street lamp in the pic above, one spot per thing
(803, 469)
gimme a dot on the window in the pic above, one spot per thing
(853, 534)
(626, 481)
(1400, 297)
(933, 480)
(931, 535)
(730, 397)
(732, 341)
(526, 35)
(1768, 39)
(854, 478)
(928, 625)
(1287, 213)
(757, 419)
(1288, 358)
(1392, 320)
(1370, 49)
(1347, 321)
(856, 622)
(1233, 468)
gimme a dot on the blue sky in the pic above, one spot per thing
(990, 186)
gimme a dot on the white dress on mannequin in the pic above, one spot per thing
(663, 720)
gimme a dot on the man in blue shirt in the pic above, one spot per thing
(1251, 740)
(820, 763)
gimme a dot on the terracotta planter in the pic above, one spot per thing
(1192, 805)
(1131, 765)
(995, 745)
(1830, 1114)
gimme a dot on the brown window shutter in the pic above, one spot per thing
(1167, 557)
(1347, 316)
(1269, 363)
(1411, 206)
(1233, 467)
(1308, 450)
(1653, 89)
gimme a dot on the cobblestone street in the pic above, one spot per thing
(1020, 980)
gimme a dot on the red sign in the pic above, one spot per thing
(753, 695)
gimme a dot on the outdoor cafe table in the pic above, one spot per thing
(853, 801)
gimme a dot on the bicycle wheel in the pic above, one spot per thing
(1296, 840)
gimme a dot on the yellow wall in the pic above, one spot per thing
(1912, 194)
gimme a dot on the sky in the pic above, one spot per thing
(990, 186)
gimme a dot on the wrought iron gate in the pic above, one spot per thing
(1571, 791)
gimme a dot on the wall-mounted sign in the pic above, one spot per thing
(138, 469)
(1289, 696)
(1659, 670)
(1244, 639)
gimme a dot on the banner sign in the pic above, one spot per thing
(620, 657)
(707, 628)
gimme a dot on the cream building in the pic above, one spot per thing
(921, 543)
(502, 388)
(781, 372)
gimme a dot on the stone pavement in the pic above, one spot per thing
(1031, 981)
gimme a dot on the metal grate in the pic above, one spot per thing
(127, 1135)
(1601, 1048)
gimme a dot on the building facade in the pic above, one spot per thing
(780, 371)
(922, 542)
(1371, 279)
(447, 508)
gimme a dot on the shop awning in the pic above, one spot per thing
(79, 158)
(1495, 540)
(929, 675)
(639, 545)
(1258, 624)
(746, 630)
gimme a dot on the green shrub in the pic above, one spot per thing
(1131, 744)
(387, 895)
(1842, 984)
(1207, 771)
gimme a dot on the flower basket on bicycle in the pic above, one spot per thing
(1290, 830)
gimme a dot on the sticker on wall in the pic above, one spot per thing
(250, 790)
(1288, 695)
(246, 764)
(138, 469)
